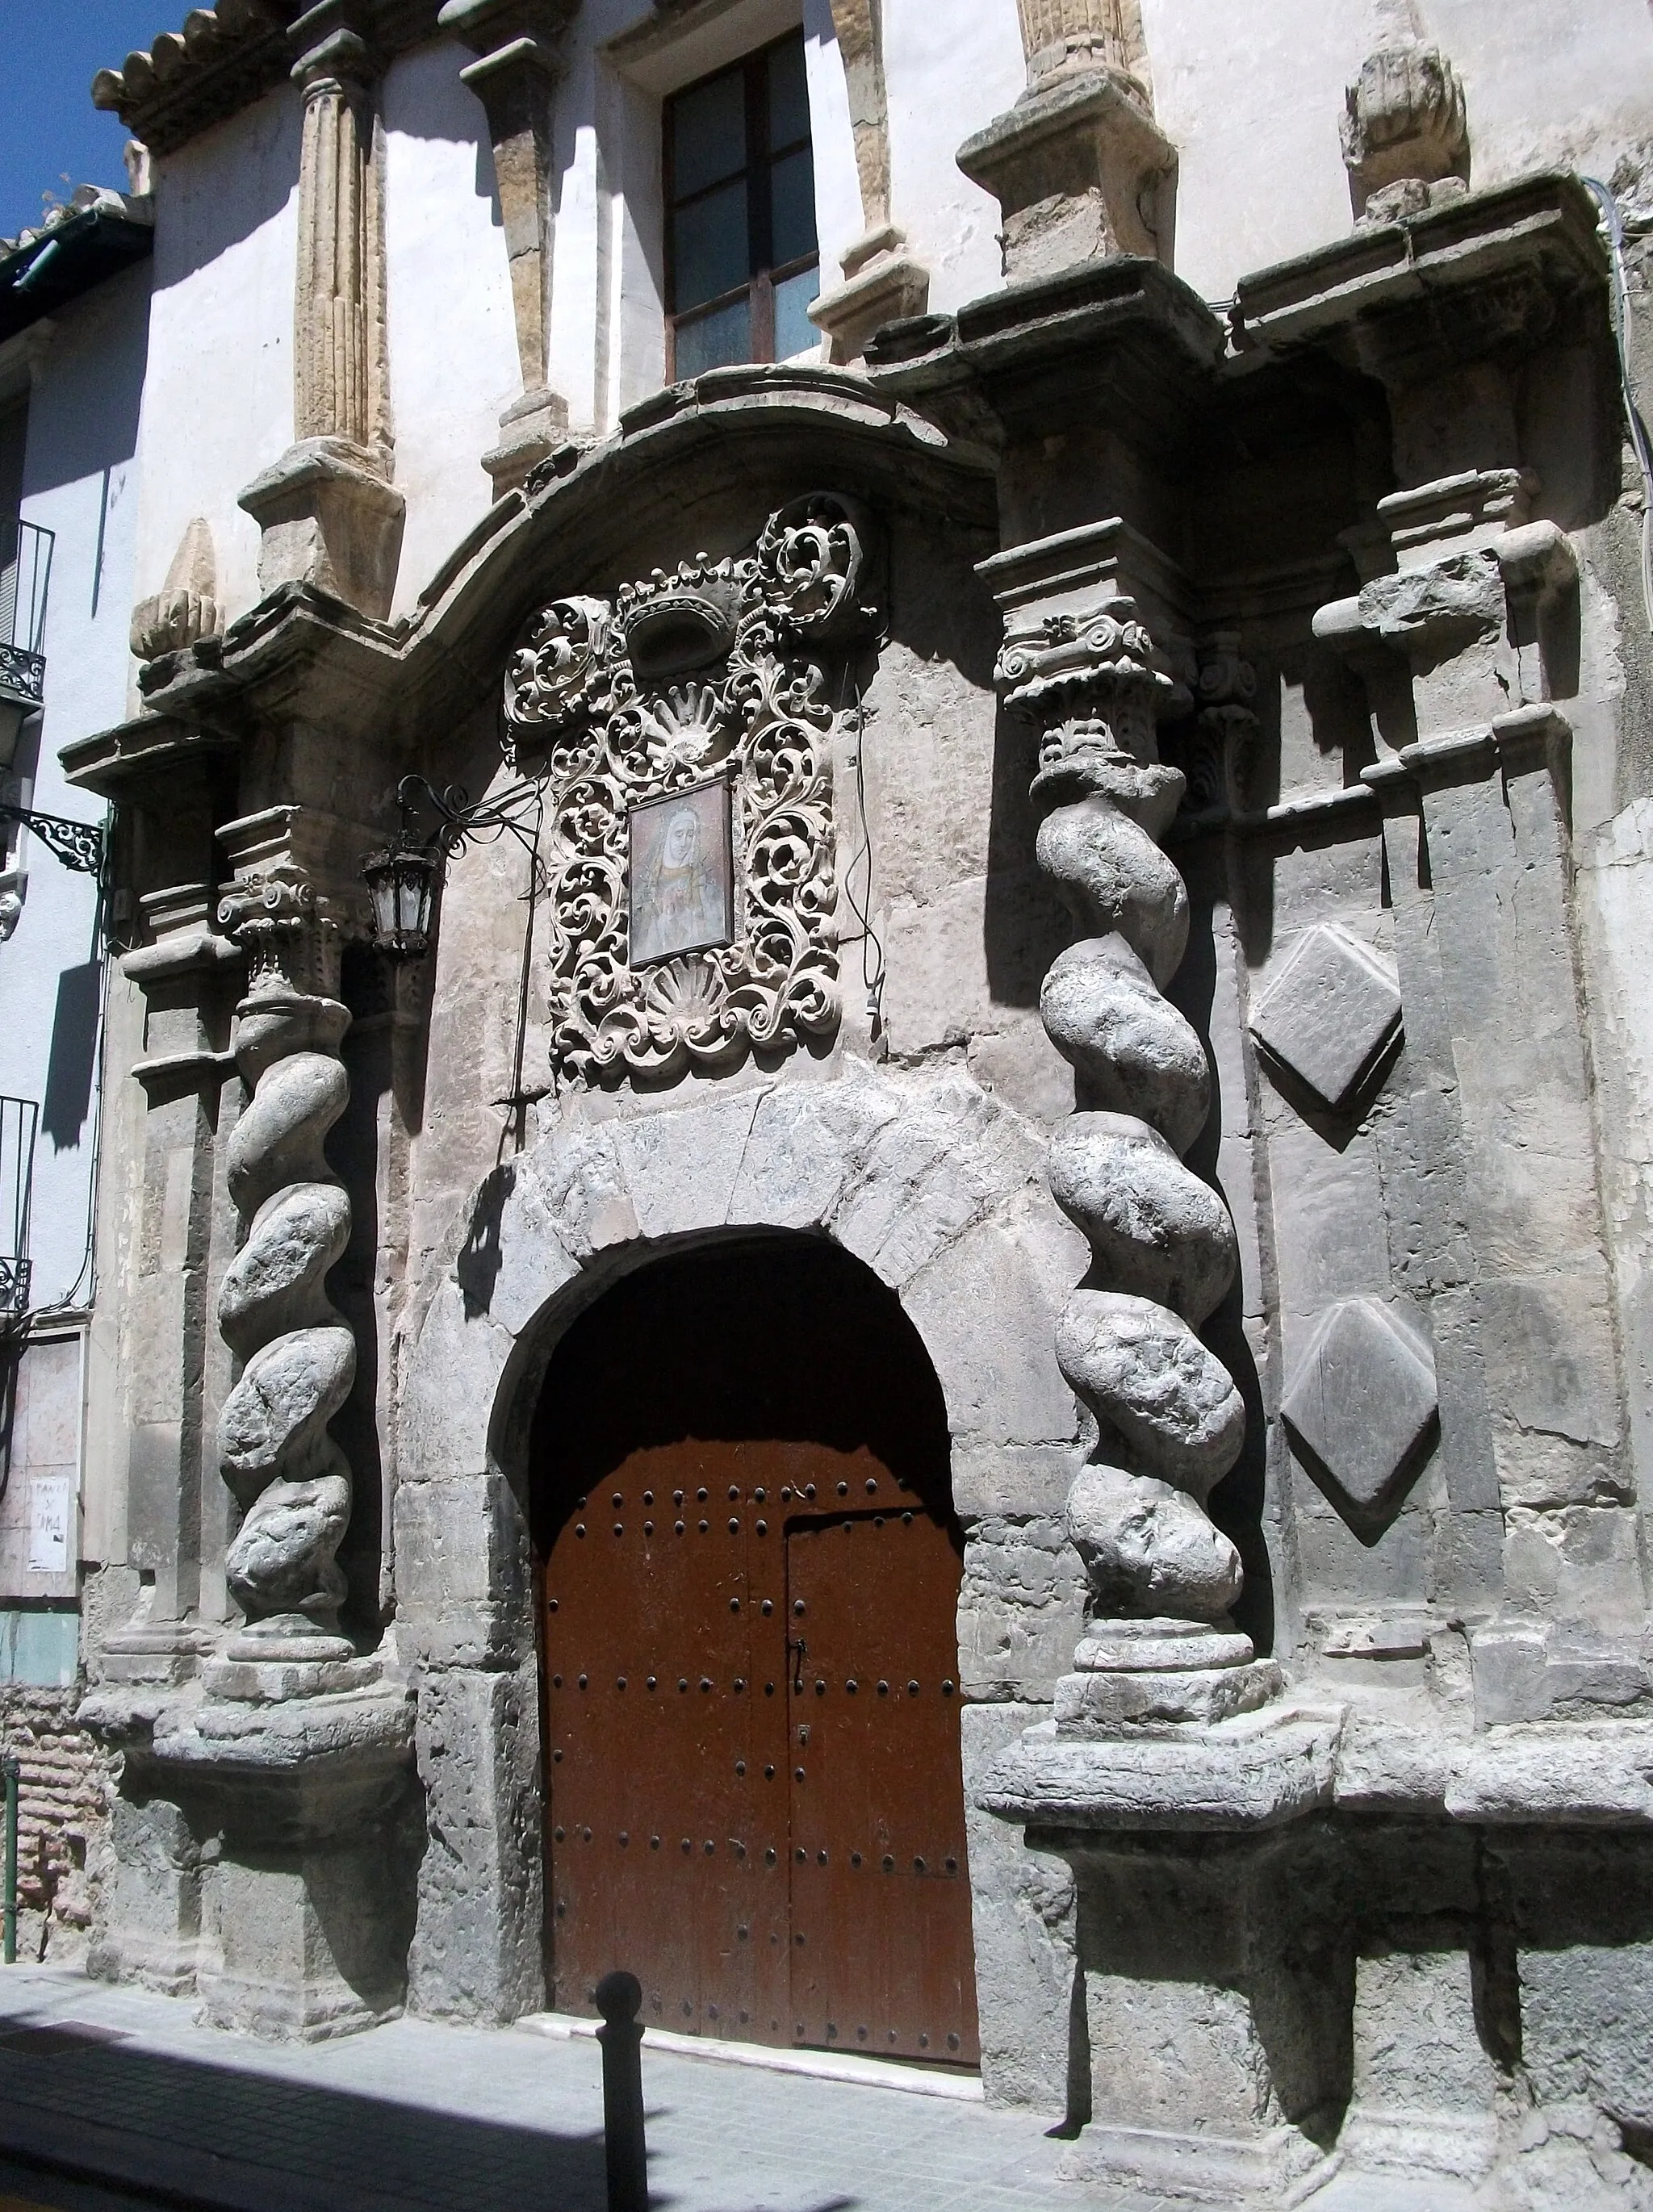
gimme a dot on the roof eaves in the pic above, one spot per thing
(97, 233)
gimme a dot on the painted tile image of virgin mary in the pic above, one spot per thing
(682, 876)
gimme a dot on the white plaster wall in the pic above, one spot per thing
(454, 362)
(1252, 97)
(838, 215)
(218, 402)
(80, 483)
(948, 71)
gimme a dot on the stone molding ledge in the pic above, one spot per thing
(1254, 1772)
(1543, 225)
(292, 1769)
(1266, 1769)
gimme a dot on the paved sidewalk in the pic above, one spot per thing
(153, 2110)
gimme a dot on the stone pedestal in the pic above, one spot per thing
(1216, 2008)
(883, 283)
(531, 430)
(260, 1849)
(149, 1926)
(329, 518)
(1215, 2029)
(1080, 171)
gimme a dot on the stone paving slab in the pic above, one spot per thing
(416, 2115)
(153, 2110)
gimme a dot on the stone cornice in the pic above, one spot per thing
(299, 654)
(224, 58)
(1503, 258)
(1124, 325)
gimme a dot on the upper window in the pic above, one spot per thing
(741, 259)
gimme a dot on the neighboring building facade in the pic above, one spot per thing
(960, 1359)
(74, 297)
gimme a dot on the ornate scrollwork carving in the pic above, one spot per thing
(708, 673)
(553, 673)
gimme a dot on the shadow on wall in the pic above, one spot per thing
(1237, 1502)
(73, 1062)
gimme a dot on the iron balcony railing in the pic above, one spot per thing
(25, 573)
(19, 1120)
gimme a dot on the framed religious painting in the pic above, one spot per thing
(681, 870)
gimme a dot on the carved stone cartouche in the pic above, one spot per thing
(709, 672)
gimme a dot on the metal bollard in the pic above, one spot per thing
(618, 1997)
(11, 1770)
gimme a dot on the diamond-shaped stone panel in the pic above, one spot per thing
(1361, 1402)
(1329, 1013)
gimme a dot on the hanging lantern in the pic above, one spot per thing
(402, 883)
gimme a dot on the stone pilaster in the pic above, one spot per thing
(518, 44)
(1080, 169)
(183, 970)
(883, 282)
(1464, 630)
(328, 514)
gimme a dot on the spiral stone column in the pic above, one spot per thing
(1169, 1422)
(298, 1355)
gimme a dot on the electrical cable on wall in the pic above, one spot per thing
(860, 902)
(1623, 324)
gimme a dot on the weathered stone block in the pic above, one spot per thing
(476, 1951)
(304, 1945)
(1329, 1014)
(1362, 1404)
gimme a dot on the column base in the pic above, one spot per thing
(1254, 1771)
(329, 519)
(532, 428)
(1080, 172)
(1278, 2167)
(882, 284)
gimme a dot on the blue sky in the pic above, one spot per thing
(48, 125)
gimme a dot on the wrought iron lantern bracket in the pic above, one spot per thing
(402, 878)
(82, 846)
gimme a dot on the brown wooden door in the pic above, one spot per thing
(754, 1801)
(881, 1949)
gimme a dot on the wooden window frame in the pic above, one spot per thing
(759, 288)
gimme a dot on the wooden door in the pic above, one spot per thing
(755, 1801)
(881, 1958)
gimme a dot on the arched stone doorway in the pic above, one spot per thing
(749, 1574)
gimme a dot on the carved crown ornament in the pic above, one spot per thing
(684, 732)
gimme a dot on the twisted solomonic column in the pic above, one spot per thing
(290, 1479)
(1169, 1420)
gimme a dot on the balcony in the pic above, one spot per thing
(19, 1120)
(25, 573)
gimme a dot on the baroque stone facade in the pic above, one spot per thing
(1130, 819)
